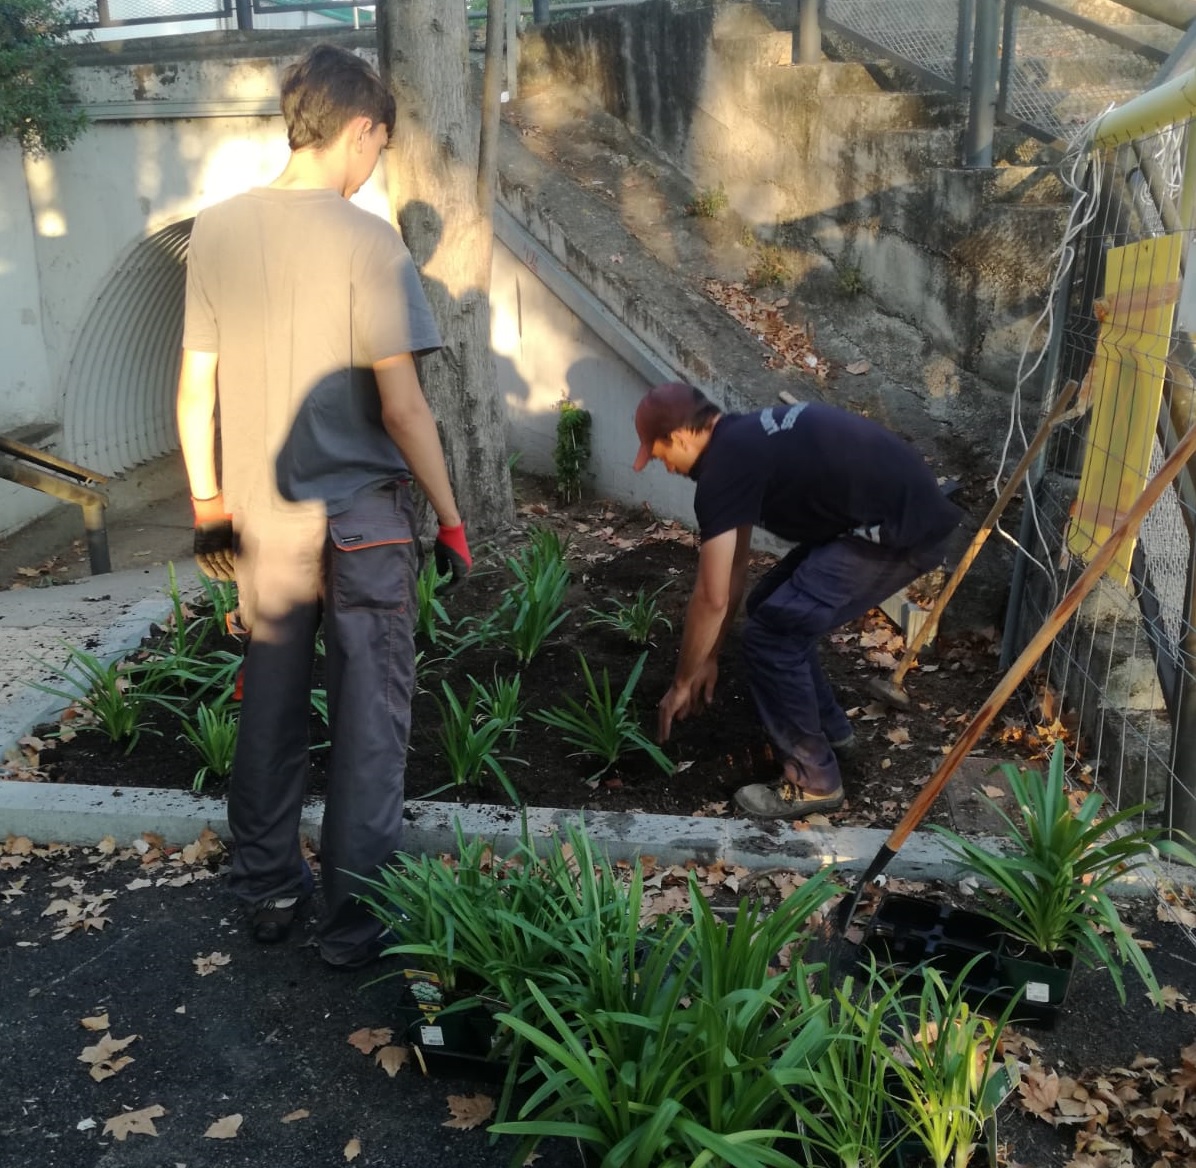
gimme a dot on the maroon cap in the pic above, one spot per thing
(670, 406)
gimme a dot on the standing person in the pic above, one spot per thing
(304, 315)
(867, 517)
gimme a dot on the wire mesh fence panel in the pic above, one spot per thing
(1059, 75)
(922, 33)
(1119, 680)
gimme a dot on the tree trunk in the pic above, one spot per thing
(433, 167)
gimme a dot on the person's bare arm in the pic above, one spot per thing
(409, 422)
(196, 412)
(708, 611)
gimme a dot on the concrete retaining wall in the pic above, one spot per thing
(822, 155)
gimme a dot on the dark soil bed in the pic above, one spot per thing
(612, 554)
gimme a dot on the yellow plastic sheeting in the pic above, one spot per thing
(1124, 388)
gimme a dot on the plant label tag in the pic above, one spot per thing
(431, 1035)
(1038, 991)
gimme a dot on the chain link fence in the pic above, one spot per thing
(1058, 69)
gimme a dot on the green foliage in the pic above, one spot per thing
(708, 203)
(222, 596)
(36, 100)
(431, 616)
(635, 618)
(470, 739)
(114, 697)
(572, 454)
(1049, 888)
(495, 922)
(852, 281)
(214, 736)
(683, 1054)
(769, 267)
(531, 609)
(839, 1092)
(942, 1059)
(604, 727)
(500, 700)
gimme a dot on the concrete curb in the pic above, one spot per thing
(83, 815)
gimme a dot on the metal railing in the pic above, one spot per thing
(1028, 63)
(1124, 329)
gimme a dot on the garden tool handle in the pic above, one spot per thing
(928, 626)
(1016, 673)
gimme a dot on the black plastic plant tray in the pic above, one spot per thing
(907, 934)
(447, 1041)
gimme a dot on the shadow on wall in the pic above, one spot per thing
(636, 59)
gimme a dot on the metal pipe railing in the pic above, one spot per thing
(91, 501)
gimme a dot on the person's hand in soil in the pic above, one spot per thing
(686, 697)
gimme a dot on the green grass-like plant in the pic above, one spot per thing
(1050, 887)
(708, 203)
(683, 1052)
(769, 267)
(471, 739)
(635, 618)
(116, 697)
(501, 700)
(943, 1059)
(604, 727)
(432, 620)
(213, 733)
(532, 610)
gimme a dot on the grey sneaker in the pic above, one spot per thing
(784, 800)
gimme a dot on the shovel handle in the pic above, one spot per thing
(1029, 656)
(926, 630)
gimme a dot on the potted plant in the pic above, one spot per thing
(1049, 890)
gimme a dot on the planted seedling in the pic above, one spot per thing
(114, 697)
(470, 741)
(531, 610)
(605, 727)
(635, 618)
(432, 619)
(213, 733)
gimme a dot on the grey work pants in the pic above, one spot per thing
(356, 573)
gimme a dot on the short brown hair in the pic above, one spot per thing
(672, 405)
(324, 91)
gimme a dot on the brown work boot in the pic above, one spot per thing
(785, 800)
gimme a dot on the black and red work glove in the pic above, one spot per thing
(452, 556)
(213, 538)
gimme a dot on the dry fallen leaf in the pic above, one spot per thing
(367, 1040)
(292, 1116)
(224, 1129)
(100, 1057)
(138, 1123)
(992, 792)
(210, 963)
(97, 1022)
(392, 1058)
(858, 367)
(469, 1111)
(353, 1149)
(898, 736)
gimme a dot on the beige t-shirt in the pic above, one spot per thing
(299, 292)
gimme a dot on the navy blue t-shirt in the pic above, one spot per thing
(809, 473)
